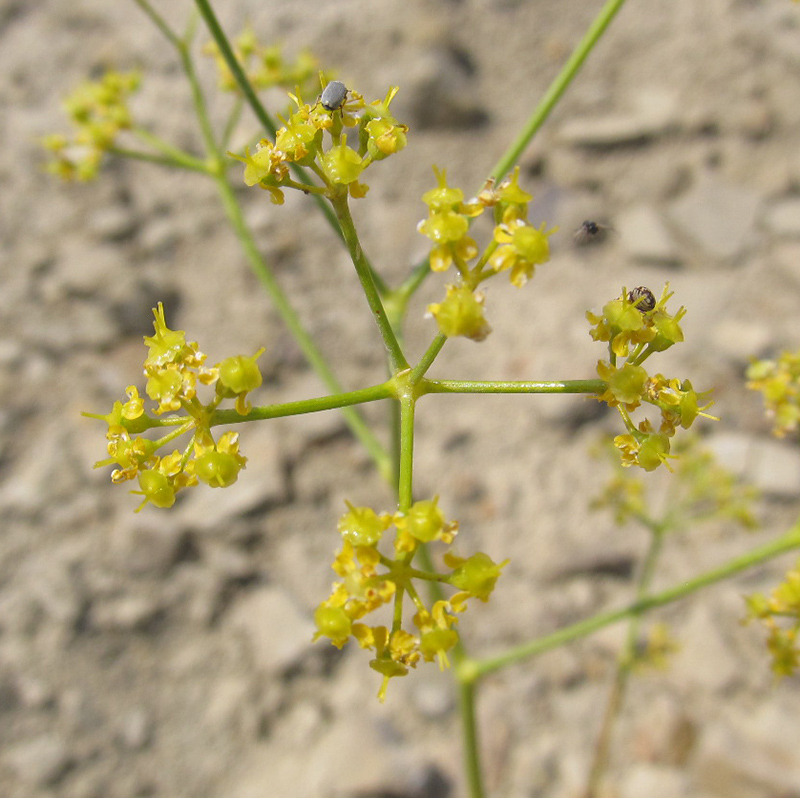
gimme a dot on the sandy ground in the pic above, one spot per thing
(167, 653)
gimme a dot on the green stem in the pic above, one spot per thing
(159, 22)
(396, 357)
(784, 544)
(204, 7)
(341, 400)
(426, 361)
(469, 737)
(405, 482)
(480, 386)
(193, 165)
(557, 88)
(625, 665)
(295, 326)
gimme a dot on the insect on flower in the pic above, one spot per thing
(642, 297)
(333, 95)
(591, 232)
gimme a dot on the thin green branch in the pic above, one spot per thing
(159, 22)
(365, 275)
(784, 544)
(295, 326)
(480, 386)
(193, 165)
(469, 737)
(405, 484)
(426, 361)
(340, 400)
(625, 663)
(204, 7)
(557, 88)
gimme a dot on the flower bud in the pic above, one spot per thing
(461, 313)
(477, 576)
(240, 374)
(362, 526)
(157, 488)
(217, 469)
(424, 520)
(333, 623)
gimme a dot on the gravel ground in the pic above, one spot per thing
(168, 653)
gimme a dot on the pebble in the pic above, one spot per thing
(135, 730)
(40, 761)
(736, 761)
(276, 631)
(654, 780)
(124, 613)
(645, 236)
(774, 468)
(111, 223)
(437, 93)
(718, 215)
(739, 338)
(146, 544)
(653, 113)
(701, 644)
(261, 484)
(782, 218)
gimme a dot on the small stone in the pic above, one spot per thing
(124, 613)
(783, 218)
(145, 545)
(39, 762)
(653, 780)
(135, 730)
(705, 658)
(775, 469)
(277, 632)
(646, 237)
(738, 338)
(262, 484)
(719, 216)
(653, 113)
(112, 223)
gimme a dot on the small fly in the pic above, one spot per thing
(591, 232)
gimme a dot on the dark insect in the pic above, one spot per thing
(642, 297)
(591, 232)
(333, 95)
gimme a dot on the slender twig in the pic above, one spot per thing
(784, 544)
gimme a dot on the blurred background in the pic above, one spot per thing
(167, 653)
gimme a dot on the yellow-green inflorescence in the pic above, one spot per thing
(370, 579)
(516, 247)
(98, 111)
(780, 614)
(779, 383)
(264, 66)
(337, 145)
(175, 368)
(635, 326)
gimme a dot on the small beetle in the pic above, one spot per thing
(333, 95)
(642, 297)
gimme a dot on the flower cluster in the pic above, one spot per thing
(700, 490)
(780, 614)
(264, 66)
(635, 326)
(779, 382)
(337, 164)
(364, 589)
(174, 367)
(99, 111)
(516, 247)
